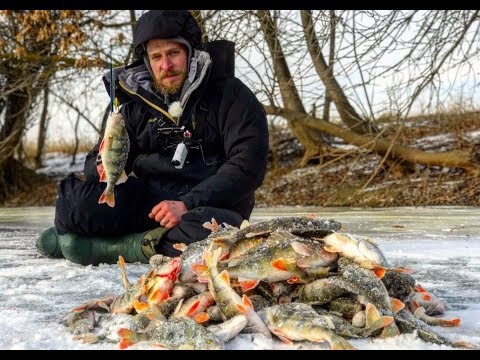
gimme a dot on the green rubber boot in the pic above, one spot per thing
(93, 250)
(48, 245)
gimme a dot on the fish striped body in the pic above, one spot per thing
(114, 152)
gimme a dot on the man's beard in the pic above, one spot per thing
(171, 88)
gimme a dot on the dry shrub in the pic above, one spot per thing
(58, 145)
(344, 179)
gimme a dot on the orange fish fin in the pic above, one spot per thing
(419, 288)
(107, 198)
(426, 296)
(126, 338)
(379, 272)
(193, 308)
(396, 305)
(103, 176)
(201, 271)
(201, 318)
(121, 262)
(223, 256)
(139, 306)
(180, 246)
(102, 144)
(223, 276)
(451, 322)
(279, 264)
(294, 280)
(159, 296)
(111, 199)
(122, 178)
(282, 336)
(371, 314)
(247, 302)
(390, 331)
(248, 284)
(241, 308)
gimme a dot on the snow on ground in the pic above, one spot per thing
(441, 244)
(57, 164)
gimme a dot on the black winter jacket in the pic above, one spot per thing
(228, 147)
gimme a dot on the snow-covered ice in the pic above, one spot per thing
(441, 244)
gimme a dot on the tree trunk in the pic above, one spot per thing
(453, 159)
(18, 105)
(11, 133)
(331, 59)
(346, 111)
(42, 129)
(77, 141)
(13, 176)
(311, 140)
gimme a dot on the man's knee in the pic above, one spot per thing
(78, 211)
(204, 214)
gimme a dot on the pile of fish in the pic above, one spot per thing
(296, 278)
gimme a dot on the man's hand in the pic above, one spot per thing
(168, 213)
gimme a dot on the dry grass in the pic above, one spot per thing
(59, 145)
(42, 195)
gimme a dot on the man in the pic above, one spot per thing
(178, 91)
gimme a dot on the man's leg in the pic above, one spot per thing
(92, 233)
(191, 228)
(86, 232)
(77, 209)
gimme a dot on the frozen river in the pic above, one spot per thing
(441, 244)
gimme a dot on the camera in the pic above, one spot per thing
(180, 155)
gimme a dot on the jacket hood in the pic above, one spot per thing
(166, 24)
(136, 81)
(216, 62)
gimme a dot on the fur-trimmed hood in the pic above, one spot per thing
(135, 82)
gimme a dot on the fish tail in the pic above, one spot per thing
(339, 343)
(390, 331)
(374, 320)
(449, 322)
(140, 306)
(201, 271)
(108, 196)
(128, 338)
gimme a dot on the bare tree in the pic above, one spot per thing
(42, 129)
(34, 45)
(409, 55)
(331, 62)
(372, 50)
(291, 99)
(347, 113)
(77, 141)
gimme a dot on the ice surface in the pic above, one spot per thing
(441, 244)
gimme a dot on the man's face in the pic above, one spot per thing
(168, 60)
